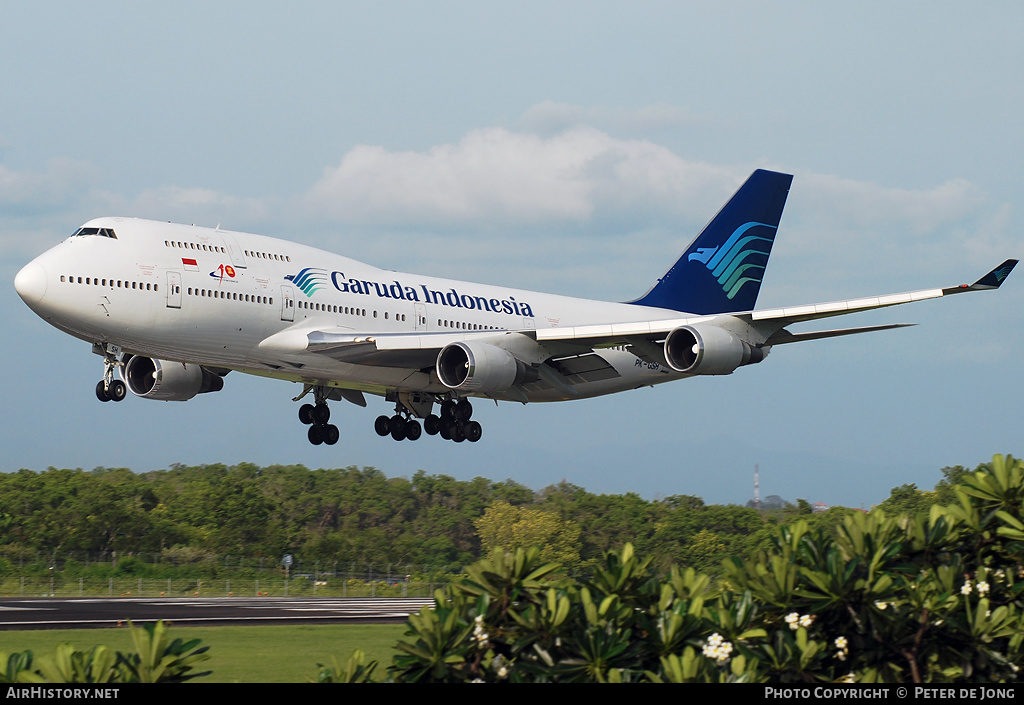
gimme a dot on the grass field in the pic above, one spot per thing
(278, 654)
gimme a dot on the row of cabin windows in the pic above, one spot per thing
(330, 308)
(462, 325)
(112, 283)
(230, 295)
(194, 246)
(267, 255)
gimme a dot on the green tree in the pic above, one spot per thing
(505, 526)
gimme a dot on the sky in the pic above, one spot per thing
(570, 147)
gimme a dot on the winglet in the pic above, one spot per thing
(992, 280)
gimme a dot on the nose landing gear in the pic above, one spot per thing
(108, 388)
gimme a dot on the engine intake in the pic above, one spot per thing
(708, 350)
(478, 367)
(169, 381)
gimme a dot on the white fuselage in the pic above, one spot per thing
(211, 297)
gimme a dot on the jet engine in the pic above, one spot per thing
(478, 367)
(708, 350)
(168, 381)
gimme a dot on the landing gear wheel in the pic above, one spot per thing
(432, 424)
(314, 435)
(101, 391)
(413, 430)
(330, 434)
(397, 425)
(463, 410)
(382, 426)
(447, 409)
(322, 414)
(458, 434)
(473, 431)
(445, 432)
(117, 390)
(306, 414)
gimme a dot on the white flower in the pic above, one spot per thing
(848, 678)
(791, 619)
(966, 589)
(501, 666)
(983, 588)
(841, 643)
(718, 648)
(881, 605)
(807, 620)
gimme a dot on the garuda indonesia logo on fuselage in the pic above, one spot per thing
(309, 280)
(740, 260)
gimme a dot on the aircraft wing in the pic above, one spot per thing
(419, 350)
(772, 322)
(409, 350)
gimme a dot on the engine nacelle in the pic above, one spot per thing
(478, 367)
(168, 381)
(708, 350)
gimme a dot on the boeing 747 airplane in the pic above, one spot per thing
(174, 308)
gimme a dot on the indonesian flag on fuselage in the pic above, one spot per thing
(190, 264)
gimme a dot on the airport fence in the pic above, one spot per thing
(31, 586)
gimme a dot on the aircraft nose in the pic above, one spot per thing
(31, 283)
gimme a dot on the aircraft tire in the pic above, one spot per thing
(432, 424)
(382, 426)
(314, 435)
(463, 410)
(306, 413)
(445, 431)
(473, 431)
(117, 390)
(322, 414)
(413, 430)
(101, 391)
(330, 434)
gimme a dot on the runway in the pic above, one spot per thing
(85, 613)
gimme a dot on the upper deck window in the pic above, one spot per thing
(104, 232)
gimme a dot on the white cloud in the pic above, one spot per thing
(863, 203)
(59, 187)
(197, 205)
(550, 117)
(495, 176)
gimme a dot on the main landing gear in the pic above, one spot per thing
(108, 388)
(317, 418)
(402, 426)
(453, 424)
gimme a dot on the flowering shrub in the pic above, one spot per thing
(890, 599)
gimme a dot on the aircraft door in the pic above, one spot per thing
(237, 257)
(420, 312)
(174, 290)
(287, 303)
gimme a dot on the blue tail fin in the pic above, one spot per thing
(721, 270)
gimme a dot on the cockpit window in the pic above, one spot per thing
(104, 232)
